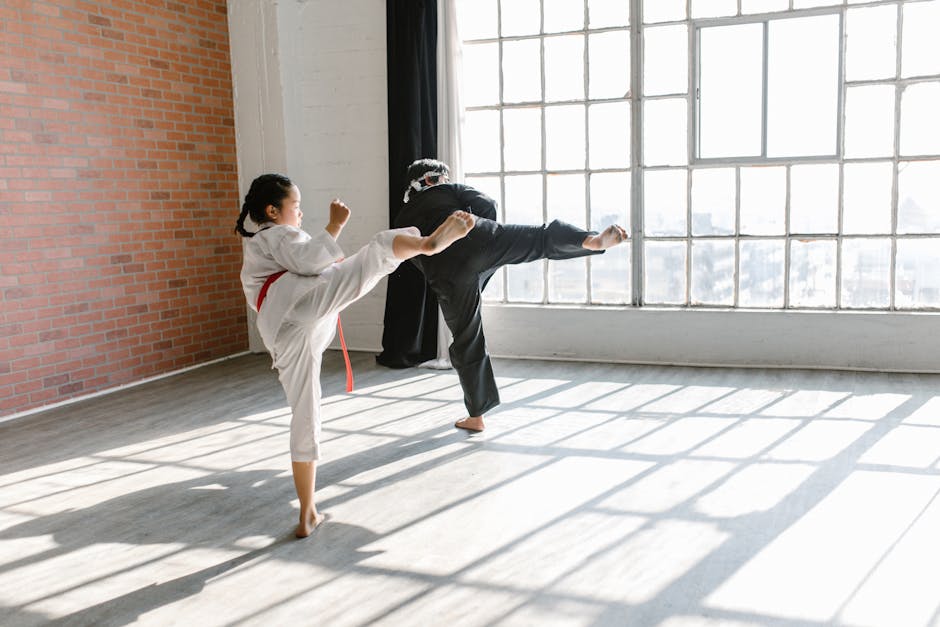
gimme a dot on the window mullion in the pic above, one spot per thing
(895, 161)
(636, 152)
(545, 264)
(589, 292)
(764, 96)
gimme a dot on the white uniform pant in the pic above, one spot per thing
(309, 327)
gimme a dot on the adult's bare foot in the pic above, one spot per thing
(308, 523)
(471, 423)
(457, 225)
(608, 238)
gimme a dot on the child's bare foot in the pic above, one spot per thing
(308, 523)
(471, 423)
(457, 225)
(608, 238)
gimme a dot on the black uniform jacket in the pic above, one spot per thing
(428, 208)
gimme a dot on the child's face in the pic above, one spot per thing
(289, 213)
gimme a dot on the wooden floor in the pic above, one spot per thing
(599, 495)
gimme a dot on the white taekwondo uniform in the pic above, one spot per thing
(297, 319)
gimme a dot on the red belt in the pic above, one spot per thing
(339, 326)
(264, 288)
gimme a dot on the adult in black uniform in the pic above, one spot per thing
(458, 275)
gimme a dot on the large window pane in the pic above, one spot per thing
(520, 17)
(712, 272)
(803, 86)
(565, 198)
(663, 10)
(665, 60)
(920, 46)
(919, 197)
(609, 70)
(763, 196)
(665, 203)
(524, 199)
(522, 133)
(611, 276)
(665, 141)
(480, 74)
(713, 200)
(477, 19)
(713, 8)
(812, 273)
(563, 15)
(481, 141)
(524, 282)
(606, 13)
(806, 4)
(567, 281)
(866, 272)
(610, 200)
(730, 93)
(522, 75)
(610, 204)
(920, 132)
(869, 121)
(871, 49)
(918, 273)
(664, 272)
(866, 198)
(763, 6)
(564, 68)
(564, 137)
(609, 125)
(814, 198)
(493, 290)
(761, 271)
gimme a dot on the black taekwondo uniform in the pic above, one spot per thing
(458, 274)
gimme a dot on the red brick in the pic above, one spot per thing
(112, 115)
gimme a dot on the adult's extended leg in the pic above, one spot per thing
(519, 243)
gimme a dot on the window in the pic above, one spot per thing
(769, 154)
(548, 133)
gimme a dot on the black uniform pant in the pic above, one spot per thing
(459, 281)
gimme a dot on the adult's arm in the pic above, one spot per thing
(478, 203)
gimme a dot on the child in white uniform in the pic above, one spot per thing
(298, 284)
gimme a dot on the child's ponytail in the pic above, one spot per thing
(240, 223)
(267, 189)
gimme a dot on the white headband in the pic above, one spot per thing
(418, 184)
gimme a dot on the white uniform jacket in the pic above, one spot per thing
(277, 248)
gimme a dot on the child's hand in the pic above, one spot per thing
(339, 213)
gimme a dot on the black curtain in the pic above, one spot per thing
(410, 335)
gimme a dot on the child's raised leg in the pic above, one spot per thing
(453, 228)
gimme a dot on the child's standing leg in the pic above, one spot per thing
(305, 478)
(298, 353)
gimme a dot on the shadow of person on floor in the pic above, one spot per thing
(129, 607)
(197, 513)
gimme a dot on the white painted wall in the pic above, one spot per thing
(906, 342)
(310, 101)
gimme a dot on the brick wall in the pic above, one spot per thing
(118, 194)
